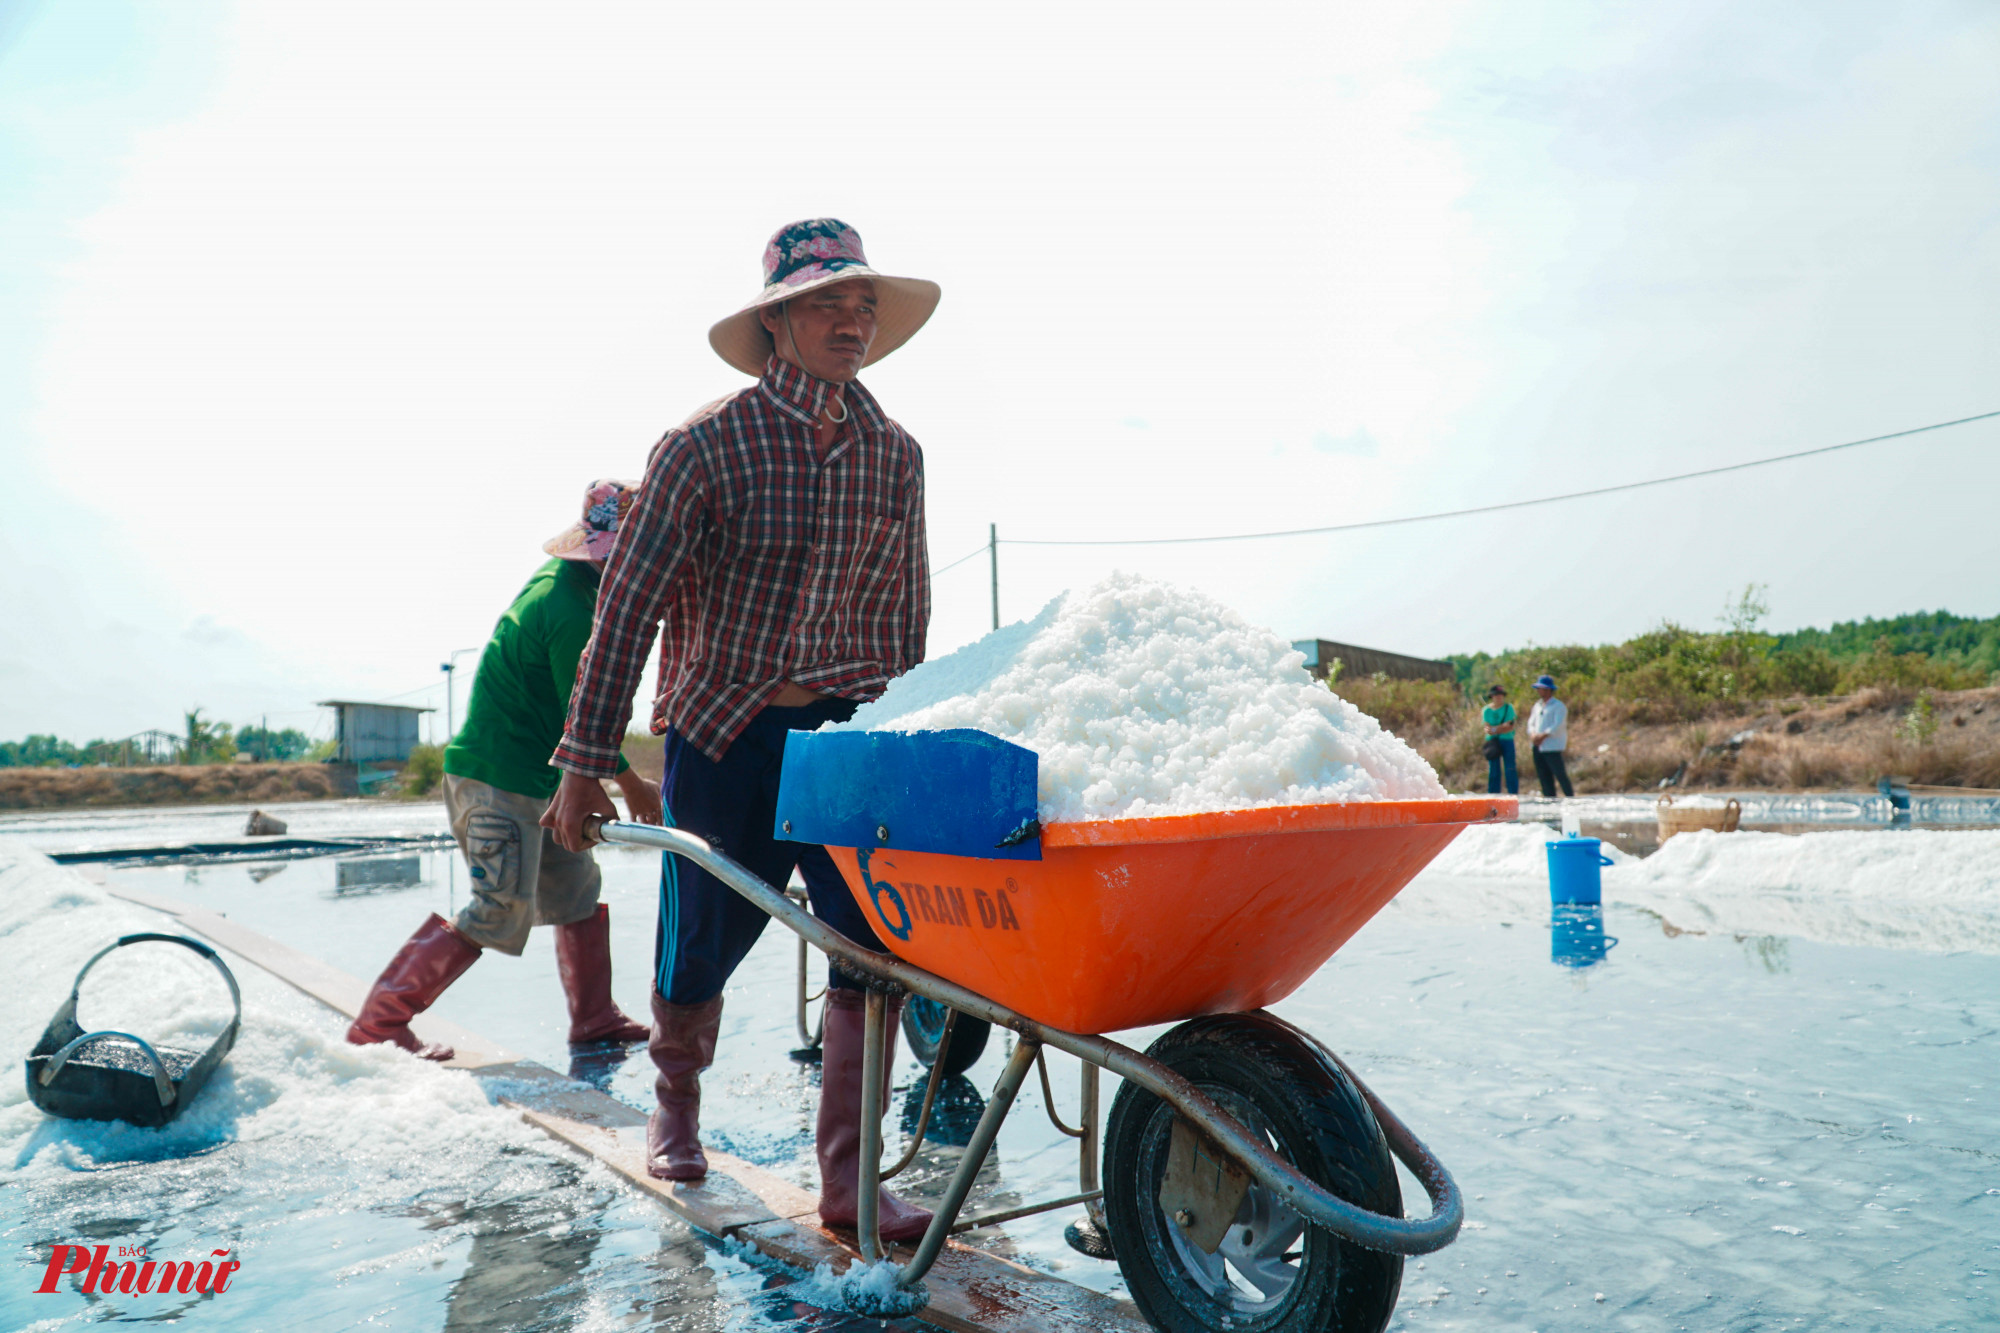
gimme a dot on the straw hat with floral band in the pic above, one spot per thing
(591, 537)
(816, 253)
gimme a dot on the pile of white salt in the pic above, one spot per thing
(1141, 698)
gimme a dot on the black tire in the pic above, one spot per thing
(923, 1026)
(1291, 1276)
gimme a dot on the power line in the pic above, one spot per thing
(1489, 509)
(391, 698)
(977, 550)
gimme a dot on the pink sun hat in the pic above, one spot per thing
(816, 253)
(592, 536)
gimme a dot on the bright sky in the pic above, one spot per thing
(318, 317)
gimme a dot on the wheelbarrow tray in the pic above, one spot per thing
(1129, 922)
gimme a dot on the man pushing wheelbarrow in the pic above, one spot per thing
(777, 542)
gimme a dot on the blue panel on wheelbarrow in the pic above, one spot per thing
(960, 792)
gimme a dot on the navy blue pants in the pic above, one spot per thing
(706, 928)
(1503, 765)
(1551, 769)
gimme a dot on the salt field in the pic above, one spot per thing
(1755, 1091)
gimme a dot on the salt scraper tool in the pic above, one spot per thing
(108, 1075)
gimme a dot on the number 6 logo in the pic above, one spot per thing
(877, 890)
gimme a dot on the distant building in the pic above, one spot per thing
(365, 732)
(1321, 654)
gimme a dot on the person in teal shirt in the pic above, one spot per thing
(497, 784)
(1498, 719)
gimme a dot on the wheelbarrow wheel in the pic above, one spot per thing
(923, 1026)
(1272, 1272)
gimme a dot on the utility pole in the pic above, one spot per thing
(448, 666)
(993, 559)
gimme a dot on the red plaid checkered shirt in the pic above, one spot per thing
(758, 563)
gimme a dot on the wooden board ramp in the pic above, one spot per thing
(972, 1291)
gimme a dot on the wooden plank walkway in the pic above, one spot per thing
(972, 1291)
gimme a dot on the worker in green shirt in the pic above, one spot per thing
(497, 783)
(1498, 719)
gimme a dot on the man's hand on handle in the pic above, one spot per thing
(578, 796)
(642, 798)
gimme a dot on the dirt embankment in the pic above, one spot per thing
(201, 784)
(1841, 743)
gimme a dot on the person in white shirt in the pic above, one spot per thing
(1548, 737)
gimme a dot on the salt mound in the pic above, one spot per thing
(1145, 699)
(396, 1127)
(1925, 889)
(1930, 889)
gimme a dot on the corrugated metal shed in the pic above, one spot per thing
(1322, 653)
(367, 732)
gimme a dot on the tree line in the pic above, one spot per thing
(1675, 671)
(200, 741)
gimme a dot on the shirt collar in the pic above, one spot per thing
(801, 396)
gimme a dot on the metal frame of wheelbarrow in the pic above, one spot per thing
(1392, 1235)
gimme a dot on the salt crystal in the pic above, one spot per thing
(1141, 698)
(867, 1289)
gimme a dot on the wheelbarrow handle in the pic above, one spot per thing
(1375, 1231)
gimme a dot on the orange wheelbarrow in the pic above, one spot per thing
(1244, 1178)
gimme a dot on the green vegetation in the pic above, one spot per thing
(423, 772)
(43, 752)
(276, 747)
(1920, 724)
(1956, 640)
(207, 742)
(1674, 672)
(199, 741)
(1735, 706)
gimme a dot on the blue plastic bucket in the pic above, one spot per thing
(1574, 866)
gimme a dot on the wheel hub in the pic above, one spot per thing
(1258, 1259)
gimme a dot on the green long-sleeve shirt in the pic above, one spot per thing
(520, 694)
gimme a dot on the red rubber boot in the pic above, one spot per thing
(840, 1120)
(682, 1045)
(422, 969)
(583, 960)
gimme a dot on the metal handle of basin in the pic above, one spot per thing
(163, 1083)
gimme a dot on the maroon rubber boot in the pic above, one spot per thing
(583, 960)
(682, 1044)
(422, 969)
(840, 1120)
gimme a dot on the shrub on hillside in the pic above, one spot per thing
(1410, 708)
(423, 772)
(1884, 668)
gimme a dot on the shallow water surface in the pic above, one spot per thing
(1654, 1129)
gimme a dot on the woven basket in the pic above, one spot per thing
(1682, 819)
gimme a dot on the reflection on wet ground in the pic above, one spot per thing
(1631, 823)
(376, 874)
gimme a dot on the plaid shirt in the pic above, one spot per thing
(763, 563)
